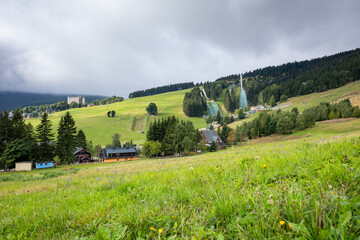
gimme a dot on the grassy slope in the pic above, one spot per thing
(311, 185)
(130, 114)
(351, 91)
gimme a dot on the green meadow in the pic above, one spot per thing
(299, 187)
(130, 120)
(350, 91)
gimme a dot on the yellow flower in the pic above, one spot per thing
(282, 223)
(152, 228)
(290, 226)
(160, 230)
(332, 193)
(264, 166)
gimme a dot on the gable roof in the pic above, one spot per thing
(120, 150)
(79, 149)
(211, 136)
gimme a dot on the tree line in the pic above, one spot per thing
(285, 122)
(213, 89)
(162, 89)
(63, 105)
(170, 136)
(231, 101)
(194, 105)
(21, 142)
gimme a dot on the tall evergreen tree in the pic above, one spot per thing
(66, 139)
(45, 136)
(81, 139)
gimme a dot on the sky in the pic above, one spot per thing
(115, 47)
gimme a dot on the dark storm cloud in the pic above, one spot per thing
(116, 47)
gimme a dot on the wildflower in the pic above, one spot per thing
(290, 226)
(172, 187)
(332, 193)
(282, 223)
(160, 230)
(270, 201)
(191, 169)
(152, 229)
(264, 166)
(7, 205)
(173, 217)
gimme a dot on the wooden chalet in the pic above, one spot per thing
(82, 155)
(118, 154)
(210, 136)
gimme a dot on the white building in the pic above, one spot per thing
(78, 100)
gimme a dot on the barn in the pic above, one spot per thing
(118, 154)
(210, 136)
(82, 155)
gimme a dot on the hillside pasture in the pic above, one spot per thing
(130, 120)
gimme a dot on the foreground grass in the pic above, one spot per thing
(247, 192)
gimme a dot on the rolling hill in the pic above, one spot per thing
(130, 120)
(12, 100)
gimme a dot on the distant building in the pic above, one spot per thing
(78, 100)
(23, 166)
(210, 136)
(118, 154)
(82, 155)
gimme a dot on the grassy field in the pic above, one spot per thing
(350, 90)
(300, 188)
(131, 117)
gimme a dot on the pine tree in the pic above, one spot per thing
(18, 124)
(66, 139)
(81, 139)
(45, 136)
(272, 101)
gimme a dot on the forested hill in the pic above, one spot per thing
(12, 100)
(300, 78)
(162, 89)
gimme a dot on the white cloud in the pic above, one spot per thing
(116, 47)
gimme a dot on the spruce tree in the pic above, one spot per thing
(66, 139)
(81, 139)
(44, 137)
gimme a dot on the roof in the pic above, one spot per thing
(120, 150)
(77, 150)
(211, 135)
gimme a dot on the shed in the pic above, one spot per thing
(23, 166)
(46, 164)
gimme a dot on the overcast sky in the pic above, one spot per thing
(116, 47)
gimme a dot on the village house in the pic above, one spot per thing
(82, 155)
(210, 136)
(118, 154)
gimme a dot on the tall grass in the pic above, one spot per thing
(296, 190)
